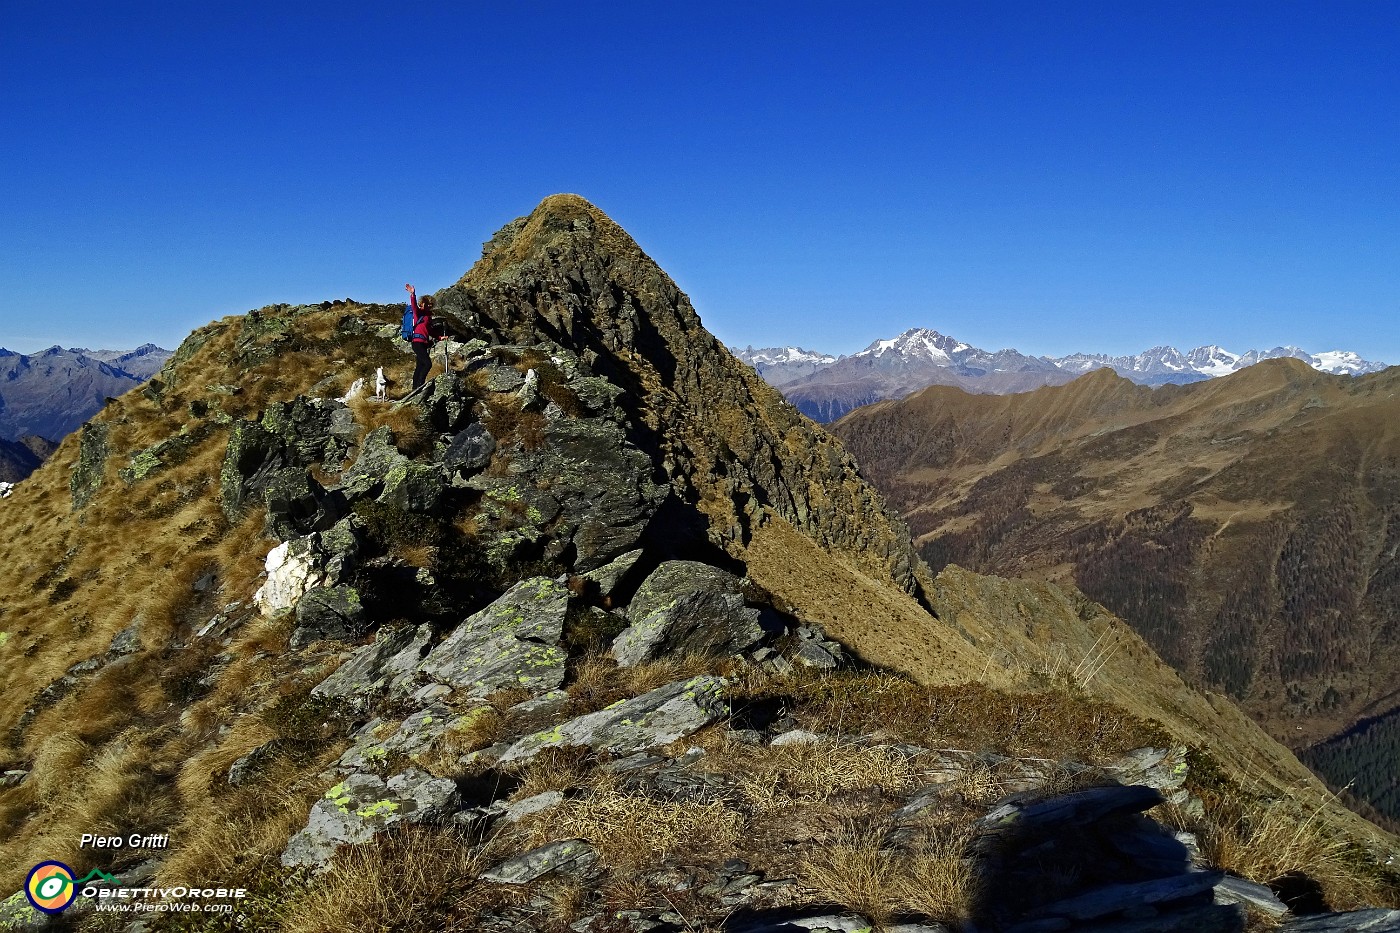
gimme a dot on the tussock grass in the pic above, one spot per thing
(412, 879)
(481, 727)
(779, 776)
(857, 870)
(1046, 724)
(596, 680)
(1265, 839)
(209, 767)
(632, 831)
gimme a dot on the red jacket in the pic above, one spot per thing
(422, 321)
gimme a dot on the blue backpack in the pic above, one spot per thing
(406, 331)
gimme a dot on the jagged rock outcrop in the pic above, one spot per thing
(687, 607)
(727, 442)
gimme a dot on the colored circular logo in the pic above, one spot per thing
(50, 887)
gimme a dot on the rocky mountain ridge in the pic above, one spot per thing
(826, 387)
(593, 633)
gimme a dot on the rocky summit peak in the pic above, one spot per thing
(568, 274)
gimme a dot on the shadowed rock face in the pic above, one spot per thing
(726, 441)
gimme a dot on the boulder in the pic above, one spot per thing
(612, 574)
(600, 485)
(329, 612)
(391, 659)
(378, 458)
(316, 560)
(658, 717)
(567, 855)
(469, 451)
(362, 805)
(687, 607)
(413, 487)
(514, 642)
(92, 462)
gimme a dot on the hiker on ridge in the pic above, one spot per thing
(422, 334)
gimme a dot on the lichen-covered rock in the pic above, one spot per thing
(687, 607)
(611, 575)
(514, 642)
(390, 659)
(378, 457)
(567, 855)
(596, 483)
(331, 612)
(269, 458)
(18, 916)
(320, 559)
(379, 742)
(92, 460)
(413, 487)
(655, 718)
(445, 402)
(362, 805)
(162, 454)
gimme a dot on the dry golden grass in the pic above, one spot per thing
(478, 728)
(1263, 840)
(1045, 724)
(596, 681)
(562, 769)
(633, 831)
(409, 880)
(208, 767)
(775, 777)
(858, 871)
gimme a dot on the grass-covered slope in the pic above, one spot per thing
(147, 691)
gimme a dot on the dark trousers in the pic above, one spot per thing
(420, 371)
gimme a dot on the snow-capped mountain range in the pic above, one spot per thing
(826, 386)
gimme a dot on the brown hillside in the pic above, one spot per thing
(1247, 526)
(144, 691)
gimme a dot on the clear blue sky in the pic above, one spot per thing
(1052, 176)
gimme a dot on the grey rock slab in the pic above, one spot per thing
(532, 805)
(1375, 920)
(566, 855)
(687, 606)
(1207, 918)
(1162, 768)
(1111, 899)
(821, 923)
(609, 576)
(1067, 810)
(655, 718)
(1232, 890)
(815, 656)
(362, 805)
(379, 741)
(798, 737)
(514, 642)
(391, 658)
(470, 450)
(18, 916)
(329, 612)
